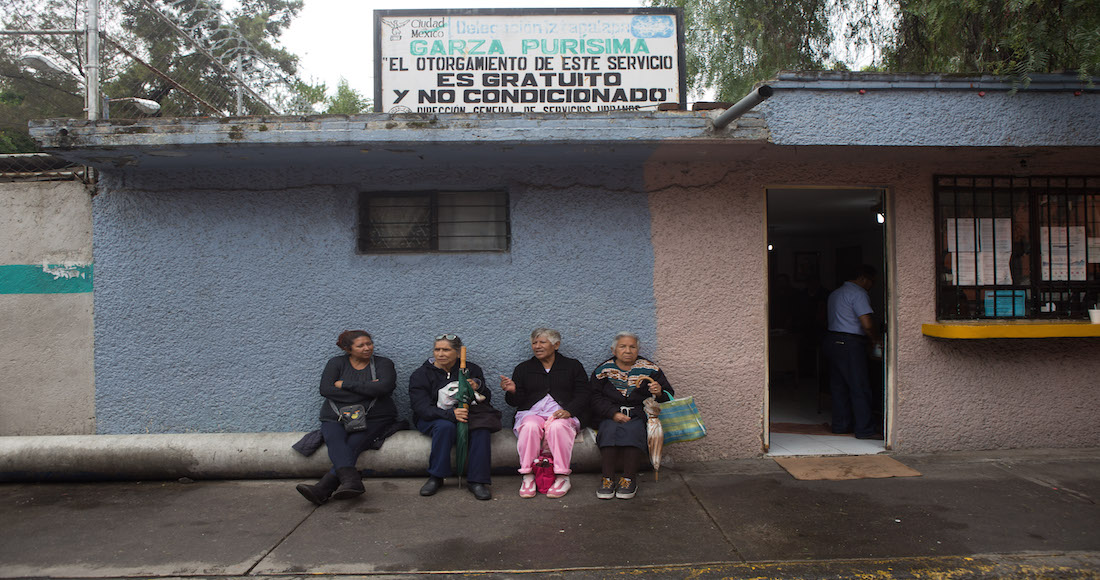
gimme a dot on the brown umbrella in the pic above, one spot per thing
(655, 434)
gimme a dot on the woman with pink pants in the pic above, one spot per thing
(550, 393)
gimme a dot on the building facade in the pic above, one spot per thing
(229, 253)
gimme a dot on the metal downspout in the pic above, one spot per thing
(743, 106)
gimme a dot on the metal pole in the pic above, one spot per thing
(240, 86)
(91, 68)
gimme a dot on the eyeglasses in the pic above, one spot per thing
(446, 337)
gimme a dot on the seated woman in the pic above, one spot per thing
(440, 421)
(617, 405)
(550, 393)
(355, 378)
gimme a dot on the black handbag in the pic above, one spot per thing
(352, 417)
(484, 416)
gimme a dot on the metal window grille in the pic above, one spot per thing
(434, 221)
(1017, 247)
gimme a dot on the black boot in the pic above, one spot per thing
(351, 483)
(320, 492)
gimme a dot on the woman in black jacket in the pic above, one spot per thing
(438, 417)
(550, 394)
(355, 378)
(617, 395)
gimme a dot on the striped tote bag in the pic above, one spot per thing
(681, 421)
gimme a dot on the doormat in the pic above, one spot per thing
(804, 429)
(845, 467)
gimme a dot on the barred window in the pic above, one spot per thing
(1017, 247)
(443, 221)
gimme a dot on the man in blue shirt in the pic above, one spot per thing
(851, 333)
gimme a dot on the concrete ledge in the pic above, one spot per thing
(979, 329)
(228, 456)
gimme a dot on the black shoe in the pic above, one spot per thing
(480, 490)
(351, 483)
(431, 486)
(627, 488)
(606, 489)
(321, 491)
(877, 436)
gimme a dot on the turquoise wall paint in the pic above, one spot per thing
(48, 279)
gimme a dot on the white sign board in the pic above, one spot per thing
(516, 61)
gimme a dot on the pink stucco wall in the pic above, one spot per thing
(708, 232)
(708, 272)
(989, 394)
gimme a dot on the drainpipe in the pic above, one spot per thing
(743, 106)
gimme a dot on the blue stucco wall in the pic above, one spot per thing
(932, 118)
(219, 297)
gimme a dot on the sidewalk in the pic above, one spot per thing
(998, 514)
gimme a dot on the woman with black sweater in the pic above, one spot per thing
(355, 378)
(550, 394)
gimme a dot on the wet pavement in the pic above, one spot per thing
(1009, 514)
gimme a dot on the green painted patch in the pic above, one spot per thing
(45, 279)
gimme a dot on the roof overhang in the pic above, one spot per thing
(844, 111)
(389, 140)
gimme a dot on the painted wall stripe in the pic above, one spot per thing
(45, 279)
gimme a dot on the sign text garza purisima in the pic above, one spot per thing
(543, 61)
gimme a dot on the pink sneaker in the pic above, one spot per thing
(561, 487)
(527, 488)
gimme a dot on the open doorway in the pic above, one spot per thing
(816, 238)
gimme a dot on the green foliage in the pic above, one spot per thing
(1015, 38)
(259, 22)
(13, 141)
(26, 95)
(29, 94)
(346, 101)
(733, 44)
(305, 98)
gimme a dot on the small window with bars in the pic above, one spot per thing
(433, 221)
(1017, 247)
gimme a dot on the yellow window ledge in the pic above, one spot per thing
(978, 329)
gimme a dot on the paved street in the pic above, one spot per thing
(1026, 514)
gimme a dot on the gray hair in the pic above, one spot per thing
(548, 333)
(452, 339)
(625, 334)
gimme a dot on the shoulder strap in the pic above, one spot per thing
(373, 376)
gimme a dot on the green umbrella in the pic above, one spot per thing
(463, 398)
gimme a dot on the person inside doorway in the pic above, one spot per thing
(847, 345)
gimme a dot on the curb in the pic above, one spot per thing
(229, 456)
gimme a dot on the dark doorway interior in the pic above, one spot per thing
(816, 237)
